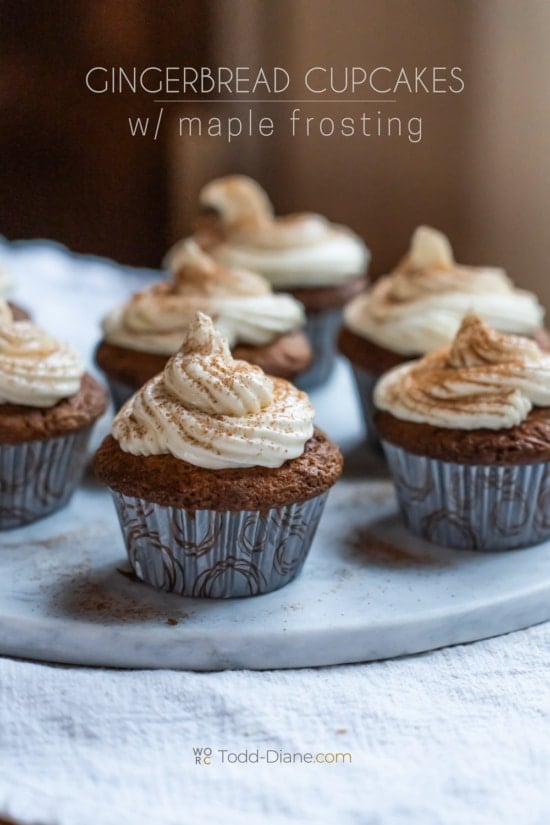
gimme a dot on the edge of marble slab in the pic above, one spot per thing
(96, 645)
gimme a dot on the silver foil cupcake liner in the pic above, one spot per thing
(120, 392)
(217, 555)
(366, 382)
(321, 328)
(38, 477)
(472, 507)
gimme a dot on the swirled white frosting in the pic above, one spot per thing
(214, 412)
(299, 250)
(6, 283)
(420, 305)
(484, 379)
(35, 369)
(241, 303)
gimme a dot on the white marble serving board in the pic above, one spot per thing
(368, 589)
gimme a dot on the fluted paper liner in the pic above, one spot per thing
(38, 477)
(469, 507)
(366, 382)
(210, 554)
(321, 329)
(120, 392)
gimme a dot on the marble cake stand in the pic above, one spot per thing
(368, 591)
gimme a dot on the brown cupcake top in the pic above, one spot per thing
(20, 424)
(170, 482)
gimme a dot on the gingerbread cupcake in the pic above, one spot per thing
(261, 327)
(218, 475)
(420, 306)
(466, 431)
(48, 406)
(322, 264)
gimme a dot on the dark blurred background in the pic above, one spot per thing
(69, 169)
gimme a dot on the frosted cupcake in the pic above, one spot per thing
(217, 473)
(261, 327)
(48, 406)
(322, 264)
(420, 306)
(466, 431)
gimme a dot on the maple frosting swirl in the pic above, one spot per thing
(35, 369)
(484, 379)
(420, 305)
(292, 251)
(243, 307)
(213, 411)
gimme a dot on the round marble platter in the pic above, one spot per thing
(368, 591)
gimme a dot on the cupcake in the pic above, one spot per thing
(466, 431)
(6, 289)
(218, 475)
(47, 409)
(322, 264)
(263, 328)
(420, 306)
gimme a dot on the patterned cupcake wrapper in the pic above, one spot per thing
(321, 328)
(120, 392)
(217, 555)
(469, 507)
(366, 382)
(38, 477)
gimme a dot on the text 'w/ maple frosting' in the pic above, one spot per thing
(420, 305)
(36, 370)
(213, 411)
(484, 379)
(292, 251)
(243, 307)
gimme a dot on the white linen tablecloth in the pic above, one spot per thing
(453, 736)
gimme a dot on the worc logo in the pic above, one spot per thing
(203, 756)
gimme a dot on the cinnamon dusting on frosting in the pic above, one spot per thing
(240, 302)
(483, 379)
(213, 411)
(36, 370)
(6, 315)
(420, 305)
(6, 283)
(297, 250)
